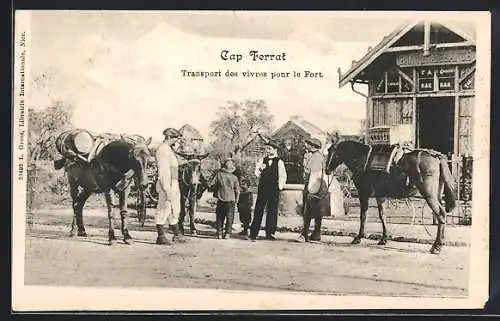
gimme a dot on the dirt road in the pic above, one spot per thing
(333, 266)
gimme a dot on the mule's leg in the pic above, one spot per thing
(182, 214)
(81, 198)
(141, 206)
(380, 205)
(363, 201)
(73, 189)
(192, 210)
(438, 212)
(429, 189)
(111, 230)
(123, 197)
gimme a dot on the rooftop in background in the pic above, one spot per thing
(451, 32)
(190, 132)
(305, 125)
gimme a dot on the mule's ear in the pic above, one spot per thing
(122, 137)
(336, 137)
(149, 140)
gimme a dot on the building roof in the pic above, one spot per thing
(303, 124)
(464, 30)
(190, 132)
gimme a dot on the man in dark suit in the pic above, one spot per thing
(272, 178)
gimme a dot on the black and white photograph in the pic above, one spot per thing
(250, 160)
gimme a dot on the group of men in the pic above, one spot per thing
(272, 176)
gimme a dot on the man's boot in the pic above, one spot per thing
(178, 237)
(245, 230)
(316, 234)
(161, 236)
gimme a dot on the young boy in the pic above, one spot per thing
(227, 190)
(245, 204)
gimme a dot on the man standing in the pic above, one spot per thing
(272, 177)
(289, 156)
(167, 186)
(315, 191)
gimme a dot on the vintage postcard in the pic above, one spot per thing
(245, 160)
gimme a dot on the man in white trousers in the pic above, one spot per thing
(167, 186)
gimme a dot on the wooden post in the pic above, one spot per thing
(414, 120)
(456, 118)
(427, 37)
(415, 84)
(385, 81)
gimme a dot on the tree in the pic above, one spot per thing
(45, 125)
(237, 125)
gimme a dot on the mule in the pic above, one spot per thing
(422, 170)
(192, 185)
(119, 163)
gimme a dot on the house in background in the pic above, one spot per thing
(291, 137)
(191, 141)
(421, 83)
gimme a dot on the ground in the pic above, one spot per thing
(333, 266)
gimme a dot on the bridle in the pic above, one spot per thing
(330, 156)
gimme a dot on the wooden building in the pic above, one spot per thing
(421, 76)
(296, 130)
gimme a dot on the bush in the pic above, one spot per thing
(45, 185)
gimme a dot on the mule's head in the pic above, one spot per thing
(334, 158)
(191, 172)
(352, 153)
(191, 175)
(140, 154)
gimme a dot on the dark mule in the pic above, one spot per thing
(192, 185)
(420, 170)
(139, 190)
(118, 164)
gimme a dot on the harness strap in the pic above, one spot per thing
(370, 148)
(417, 165)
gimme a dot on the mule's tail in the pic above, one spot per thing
(449, 185)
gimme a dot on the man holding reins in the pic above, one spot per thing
(315, 194)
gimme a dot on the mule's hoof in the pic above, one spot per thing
(71, 234)
(179, 239)
(163, 241)
(356, 240)
(194, 232)
(82, 233)
(128, 241)
(382, 242)
(111, 242)
(435, 249)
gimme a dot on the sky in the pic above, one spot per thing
(122, 70)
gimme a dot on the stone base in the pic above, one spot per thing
(291, 200)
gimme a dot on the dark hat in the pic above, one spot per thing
(272, 143)
(171, 132)
(314, 142)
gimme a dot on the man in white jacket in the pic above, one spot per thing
(314, 191)
(167, 186)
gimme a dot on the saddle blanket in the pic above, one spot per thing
(383, 157)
